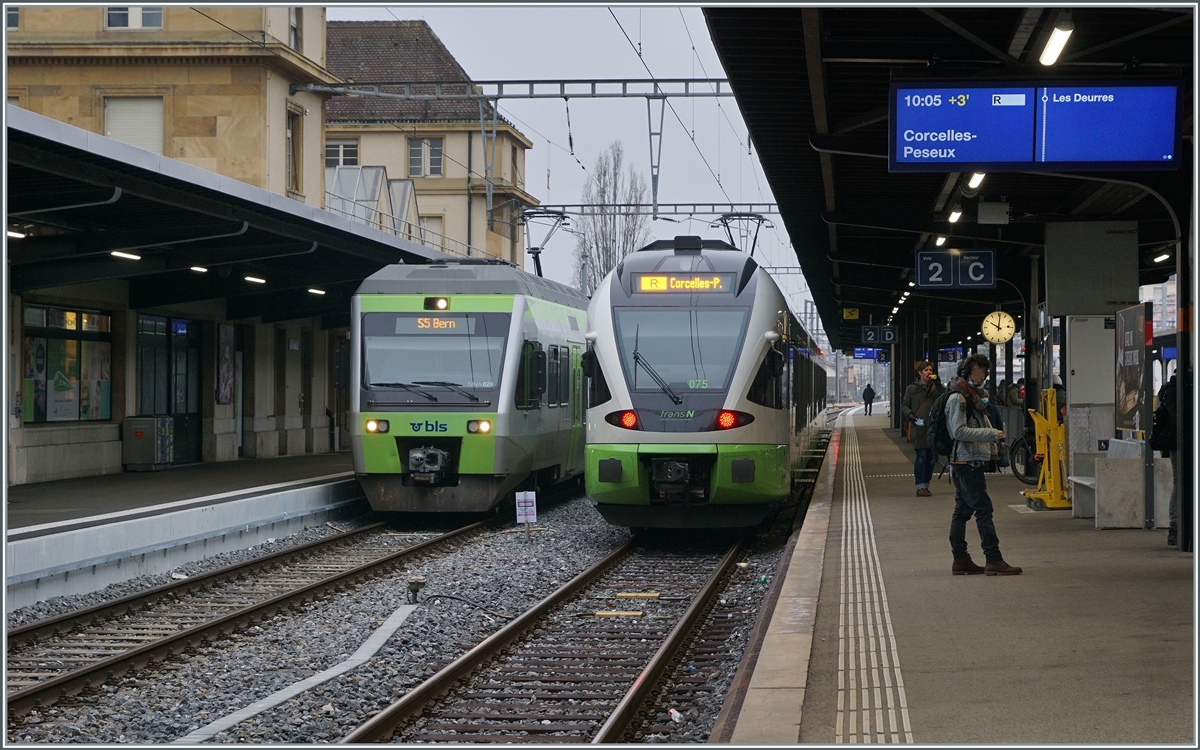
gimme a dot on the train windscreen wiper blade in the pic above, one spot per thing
(640, 360)
(452, 386)
(405, 386)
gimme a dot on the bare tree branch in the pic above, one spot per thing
(604, 239)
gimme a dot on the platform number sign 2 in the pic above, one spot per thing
(870, 334)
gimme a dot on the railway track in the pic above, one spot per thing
(577, 667)
(58, 658)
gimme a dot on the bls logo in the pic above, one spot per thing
(429, 426)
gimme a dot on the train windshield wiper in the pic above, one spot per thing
(638, 359)
(452, 386)
(405, 386)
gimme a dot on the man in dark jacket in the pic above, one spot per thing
(868, 395)
(914, 410)
(1167, 399)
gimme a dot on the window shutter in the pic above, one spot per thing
(137, 121)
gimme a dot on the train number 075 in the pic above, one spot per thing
(697, 384)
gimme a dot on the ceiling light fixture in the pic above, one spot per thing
(955, 215)
(976, 180)
(1162, 257)
(129, 256)
(16, 235)
(255, 279)
(199, 269)
(941, 240)
(316, 291)
(1058, 38)
(912, 283)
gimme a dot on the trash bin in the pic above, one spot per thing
(147, 443)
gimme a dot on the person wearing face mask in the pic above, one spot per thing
(914, 410)
(974, 446)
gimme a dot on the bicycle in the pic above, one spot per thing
(1024, 462)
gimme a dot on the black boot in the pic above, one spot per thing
(1173, 535)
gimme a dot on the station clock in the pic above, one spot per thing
(999, 327)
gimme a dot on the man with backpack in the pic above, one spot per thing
(868, 396)
(960, 426)
(914, 409)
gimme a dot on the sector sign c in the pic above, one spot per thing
(956, 269)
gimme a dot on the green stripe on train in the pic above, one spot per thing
(772, 472)
(416, 302)
(381, 455)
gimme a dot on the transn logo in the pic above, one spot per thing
(429, 426)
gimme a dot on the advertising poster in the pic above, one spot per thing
(1133, 404)
(225, 364)
(33, 386)
(62, 380)
(94, 382)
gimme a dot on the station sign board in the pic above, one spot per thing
(883, 356)
(956, 269)
(861, 352)
(1034, 126)
(870, 335)
(889, 335)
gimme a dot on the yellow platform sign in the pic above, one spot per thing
(849, 313)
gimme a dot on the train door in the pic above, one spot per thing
(575, 456)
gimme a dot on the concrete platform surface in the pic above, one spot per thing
(1093, 643)
(68, 499)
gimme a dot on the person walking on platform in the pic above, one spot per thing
(914, 410)
(974, 446)
(1169, 406)
(868, 395)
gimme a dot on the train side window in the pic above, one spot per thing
(767, 388)
(531, 376)
(552, 377)
(597, 387)
(564, 376)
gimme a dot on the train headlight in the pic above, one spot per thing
(627, 419)
(378, 425)
(437, 303)
(727, 420)
(481, 426)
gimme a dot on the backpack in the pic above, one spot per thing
(938, 437)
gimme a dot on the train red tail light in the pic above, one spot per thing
(727, 420)
(627, 419)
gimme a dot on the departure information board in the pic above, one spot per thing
(940, 126)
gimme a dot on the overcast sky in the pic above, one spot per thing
(546, 42)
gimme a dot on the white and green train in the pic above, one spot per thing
(468, 383)
(704, 389)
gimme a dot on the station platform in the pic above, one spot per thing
(75, 536)
(872, 639)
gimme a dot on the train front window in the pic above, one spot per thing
(465, 350)
(690, 349)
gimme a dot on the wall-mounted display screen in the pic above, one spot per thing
(945, 126)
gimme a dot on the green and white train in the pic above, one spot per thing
(468, 384)
(704, 390)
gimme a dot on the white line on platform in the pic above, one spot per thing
(361, 656)
(870, 685)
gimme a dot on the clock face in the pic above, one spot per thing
(999, 327)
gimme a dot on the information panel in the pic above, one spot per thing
(941, 126)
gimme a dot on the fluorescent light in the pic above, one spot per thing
(129, 256)
(942, 240)
(255, 279)
(1058, 40)
(16, 235)
(316, 291)
(1162, 257)
(199, 269)
(976, 180)
(955, 215)
(912, 283)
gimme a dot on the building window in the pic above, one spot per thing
(136, 120)
(293, 154)
(133, 18)
(294, 18)
(341, 153)
(516, 175)
(66, 365)
(13, 17)
(424, 157)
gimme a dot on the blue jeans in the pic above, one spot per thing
(923, 467)
(971, 498)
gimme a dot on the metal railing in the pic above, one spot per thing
(385, 222)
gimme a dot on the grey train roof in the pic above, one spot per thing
(468, 278)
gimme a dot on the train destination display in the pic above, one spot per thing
(942, 126)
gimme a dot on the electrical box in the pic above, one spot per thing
(147, 443)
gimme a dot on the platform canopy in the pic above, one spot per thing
(812, 85)
(78, 196)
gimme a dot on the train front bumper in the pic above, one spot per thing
(739, 474)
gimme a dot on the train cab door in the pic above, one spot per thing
(575, 454)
